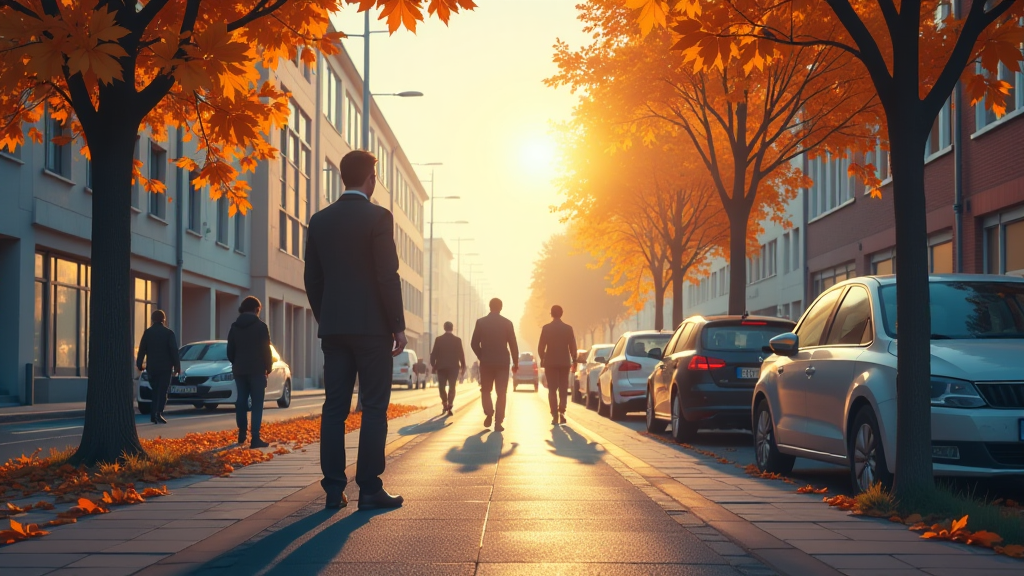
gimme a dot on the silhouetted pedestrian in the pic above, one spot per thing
(494, 343)
(158, 355)
(251, 363)
(557, 352)
(448, 359)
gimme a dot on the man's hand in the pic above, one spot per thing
(400, 343)
(515, 368)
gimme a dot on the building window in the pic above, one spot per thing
(1004, 243)
(295, 173)
(940, 136)
(195, 203)
(58, 154)
(785, 253)
(222, 220)
(796, 248)
(332, 182)
(157, 171)
(832, 187)
(1013, 101)
(940, 253)
(147, 300)
(62, 289)
(240, 232)
(884, 263)
(330, 95)
(353, 122)
(828, 278)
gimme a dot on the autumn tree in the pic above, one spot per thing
(747, 116)
(109, 69)
(916, 54)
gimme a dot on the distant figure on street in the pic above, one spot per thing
(557, 352)
(448, 360)
(419, 369)
(475, 372)
(494, 343)
(158, 353)
(251, 364)
(355, 293)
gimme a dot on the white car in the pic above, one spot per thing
(401, 368)
(622, 383)
(589, 370)
(206, 379)
(829, 392)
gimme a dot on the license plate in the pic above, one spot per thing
(748, 373)
(183, 390)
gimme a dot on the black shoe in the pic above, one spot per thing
(554, 420)
(487, 421)
(379, 501)
(257, 443)
(499, 428)
(241, 436)
(160, 419)
(450, 412)
(561, 418)
(153, 418)
(336, 502)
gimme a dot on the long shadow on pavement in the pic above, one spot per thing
(568, 443)
(433, 425)
(476, 452)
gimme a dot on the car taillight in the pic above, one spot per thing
(534, 368)
(705, 363)
(629, 366)
(404, 370)
(753, 323)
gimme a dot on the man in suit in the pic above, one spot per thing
(448, 359)
(557, 351)
(494, 343)
(158, 352)
(355, 293)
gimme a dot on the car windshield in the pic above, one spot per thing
(962, 310)
(216, 352)
(741, 338)
(526, 357)
(641, 346)
(603, 352)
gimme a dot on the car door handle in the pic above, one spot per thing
(810, 371)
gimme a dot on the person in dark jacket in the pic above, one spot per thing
(448, 359)
(158, 353)
(557, 351)
(494, 343)
(419, 369)
(251, 363)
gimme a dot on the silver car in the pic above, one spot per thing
(622, 383)
(587, 373)
(829, 392)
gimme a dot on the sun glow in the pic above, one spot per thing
(537, 156)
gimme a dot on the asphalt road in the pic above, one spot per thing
(19, 438)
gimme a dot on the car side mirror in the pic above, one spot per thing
(655, 353)
(786, 344)
(601, 359)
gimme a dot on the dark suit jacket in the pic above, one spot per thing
(447, 353)
(557, 346)
(351, 272)
(159, 349)
(493, 339)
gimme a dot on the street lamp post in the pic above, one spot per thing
(430, 265)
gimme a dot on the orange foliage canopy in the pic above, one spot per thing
(192, 65)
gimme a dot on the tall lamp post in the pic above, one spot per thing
(430, 265)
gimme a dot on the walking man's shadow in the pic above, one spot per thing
(568, 443)
(476, 451)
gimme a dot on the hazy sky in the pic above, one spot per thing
(487, 116)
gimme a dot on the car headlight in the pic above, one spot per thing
(954, 393)
(225, 377)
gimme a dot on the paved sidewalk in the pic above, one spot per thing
(795, 533)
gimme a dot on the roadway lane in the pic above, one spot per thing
(19, 438)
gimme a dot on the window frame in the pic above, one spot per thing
(835, 316)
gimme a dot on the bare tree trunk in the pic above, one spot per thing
(659, 301)
(738, 260)
(109, 433)
(678, 275)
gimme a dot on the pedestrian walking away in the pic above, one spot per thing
(448, 359)
(557, 351)
(251, 363)
(351, 279)
(494, 343)
(419, 370)
(158, 356)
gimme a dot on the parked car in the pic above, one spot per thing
(707, 374)
(206, 379)
(829, 392)
(581, 359)
(401, 368)
(622, 384)
(588, 371)
(528, 373)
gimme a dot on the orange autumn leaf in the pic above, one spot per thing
(808, 489)
(61, 521)
(984, 538)
(1013, 550)
(19, 531)
(43, 505)
(154, 492)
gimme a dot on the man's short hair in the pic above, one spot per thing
(250, 304)
(356, 167)
(158, 317)
(495, 305)
(448, 326)
(556, 311)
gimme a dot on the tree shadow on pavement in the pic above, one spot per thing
(568, 443)
(476, 451)
(433, 425)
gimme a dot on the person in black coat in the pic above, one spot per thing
(448, 360)
(354, 290)
(557, 351)
(494, 343)
(158, 354)
(251, 364)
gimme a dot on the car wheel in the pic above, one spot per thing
(211, 407)
(766, 450)
(197, 404)
(617, 412)
(602, 408)
(866, 453)
(682, 430)
(145, 407)
(654, 426)
(286, 395)
(590, 401)
(576, 397)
